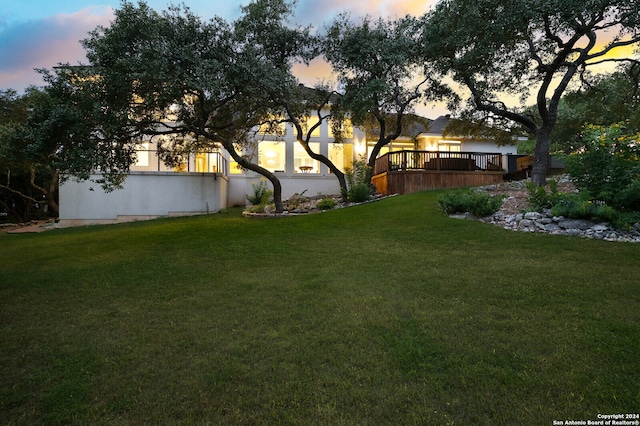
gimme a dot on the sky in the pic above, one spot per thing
(43, 33)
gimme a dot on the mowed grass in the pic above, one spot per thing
(384, 313)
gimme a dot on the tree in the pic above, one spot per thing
(501, 51)
(201, 83)
(601, 100)
(39, 133)
(16, 193)
(302, 103)
(380, 73)
(61, 131)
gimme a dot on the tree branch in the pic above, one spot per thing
(13, 191)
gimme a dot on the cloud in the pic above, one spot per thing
(322, 13)
(44, 44)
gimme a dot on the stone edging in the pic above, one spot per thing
(545, 222)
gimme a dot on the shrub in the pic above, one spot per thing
(358, 189)
(608, 166)
(540, 199)
(261, 193)
(477, 203)
(576, 206)
(326, 204)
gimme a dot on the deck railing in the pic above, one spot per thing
(437, 160)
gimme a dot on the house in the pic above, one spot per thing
(208, 182)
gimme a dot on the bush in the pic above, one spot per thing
(326, 204)
(540, 199)
(358, 189)
(575, 206)
(477, 203)
(261, 193)
(608, 166)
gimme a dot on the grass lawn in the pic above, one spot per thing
(385, 313)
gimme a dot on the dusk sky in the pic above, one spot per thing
(44, 33)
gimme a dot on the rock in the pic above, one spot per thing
(552, 227)
(575, 224)
(532, 215)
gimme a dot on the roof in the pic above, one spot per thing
(437, 126)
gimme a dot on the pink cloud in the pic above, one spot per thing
(44, 44)
(322, 13)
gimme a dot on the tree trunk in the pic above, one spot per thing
(49, 194)
(541, 157)
(324, 160)
(277, 187)
(374, 155)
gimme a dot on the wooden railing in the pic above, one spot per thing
(436, 160)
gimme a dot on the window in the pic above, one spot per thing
(301, 160)
(208, 162)
(142, 155)
(448, 146)
(347, 129)
(234, 168)
(309, 123)
(272, 156)
(341, 154)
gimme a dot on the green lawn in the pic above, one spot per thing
(385, 313)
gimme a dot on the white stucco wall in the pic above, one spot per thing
(241, 185)
(144, 196)
(488, 147)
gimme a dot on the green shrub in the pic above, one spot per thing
(608, 166)
(261, 193)
(576, 206)
(540, 199)
(477, 203)
(326, 204)
(358, 189)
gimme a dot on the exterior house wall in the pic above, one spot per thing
(208, 184)
(318, 181)
(144, 196)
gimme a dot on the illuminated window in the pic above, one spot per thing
(341, 154)
(142, 155)
(208, 162)
(347, 129)
(448, 146)
(234, 168)
(272, 156)
(301, 160)
(309, 123)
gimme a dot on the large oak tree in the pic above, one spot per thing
(381, 74)
(502, 52)
(202, 83)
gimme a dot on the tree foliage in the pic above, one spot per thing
(608, 167)
(200, 83)
(499, 52)
(381, 75)
(601, 100)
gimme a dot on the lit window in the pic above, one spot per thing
(448, 146)
(347, 129)
(341, 154)
(309, 123)
(301, 160)
(272, 155)
(142, 155)
(234, 168)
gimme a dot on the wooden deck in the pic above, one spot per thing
(404, 172)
